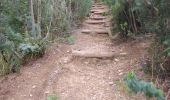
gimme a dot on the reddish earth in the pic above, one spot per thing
(90, 69)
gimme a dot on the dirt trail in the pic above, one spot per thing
(90, 69)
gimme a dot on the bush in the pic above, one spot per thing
(136, 85)
(134, 17)
(27, 26)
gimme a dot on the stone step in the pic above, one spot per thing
(94, 10)
(99, 4)
(96, 17)
(99, 12)
(97, 7)
(93, 54)
(98, 31)
(95, 21)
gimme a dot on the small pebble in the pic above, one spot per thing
(124, 53)
(47, 92)
(34, 87)
(31, 95)
(120, 74)
(119, 70)
(86, 62)
(111, 83)
(116, 60)
(56, 71)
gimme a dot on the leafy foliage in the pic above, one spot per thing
(146, 16)
(80, 8)
(148, 89)
(29, 49)
(26, 26)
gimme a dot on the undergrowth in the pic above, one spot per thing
(140, 17)
(28, 26)
(139, 86)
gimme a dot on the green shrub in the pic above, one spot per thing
(136, 85)
(134, 17)
(26, 27)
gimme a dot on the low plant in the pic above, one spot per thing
(52, 97)
(139, 86)
(71, 40)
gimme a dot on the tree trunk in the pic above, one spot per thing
(32, 17)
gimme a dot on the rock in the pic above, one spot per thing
(31, 95)
(65, 60)
(98, 31)
(86, 31)
(120, 73)
(97, 18)
(111, 83)
(86, 63)
(99, 12)
(68, 51)
(47, 92)
(95, 7)
(116, 60)
(95, 21)
(93, 54)
(93, 10)
(56, 71)
(33, 86)
(123, 54)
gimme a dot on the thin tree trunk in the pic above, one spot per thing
(39, 18)
(134, 22)
(32, 17)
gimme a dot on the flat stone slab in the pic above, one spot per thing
(99, 12)
(98, 31)
(97, 17)
(95, 7)
(99, 4)
(93, 10)
(86, 31)
(95, 21)
(93, 54)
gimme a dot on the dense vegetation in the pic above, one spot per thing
(133, 17)
(26, 26)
